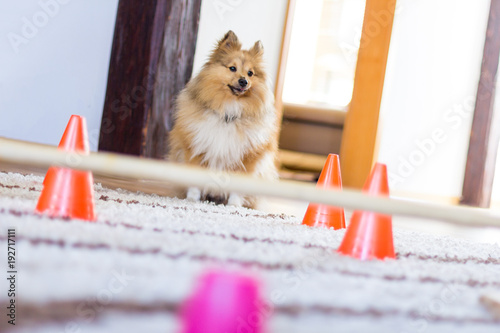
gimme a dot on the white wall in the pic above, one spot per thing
(54, 57)
(250, 20)
(429, 94)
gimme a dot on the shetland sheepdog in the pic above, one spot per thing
(225, 120)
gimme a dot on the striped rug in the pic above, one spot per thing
(132, 269)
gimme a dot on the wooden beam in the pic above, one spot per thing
(360, 137)
(153, 50)
(483, 143)
(134, 59)
(174, 71)
(115, 165)
(285, 47)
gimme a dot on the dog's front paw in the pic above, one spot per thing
(235, 200)
(193, 194)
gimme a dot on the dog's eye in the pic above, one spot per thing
(232, 69)
(250, 73)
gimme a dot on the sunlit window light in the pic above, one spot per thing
(323, 51)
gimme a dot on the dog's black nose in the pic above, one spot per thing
(243, 82)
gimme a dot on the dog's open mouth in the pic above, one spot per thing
(237, 91)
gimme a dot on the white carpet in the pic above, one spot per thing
(130, 271)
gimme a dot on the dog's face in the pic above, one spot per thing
(234, 70)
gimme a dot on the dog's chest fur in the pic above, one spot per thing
(224, 141)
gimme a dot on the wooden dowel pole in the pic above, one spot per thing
(141, 168)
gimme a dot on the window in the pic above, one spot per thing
(323, 52)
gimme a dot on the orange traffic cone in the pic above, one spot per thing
(67, 192)
(369, 234)
(319, 215)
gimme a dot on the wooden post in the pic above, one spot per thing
(174, 71)
(359, 140)
(484, 137)
(151, 60)
(285, 47)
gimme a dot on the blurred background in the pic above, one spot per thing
(56, 64)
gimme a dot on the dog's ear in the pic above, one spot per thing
(257, 50)
(229, 42)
